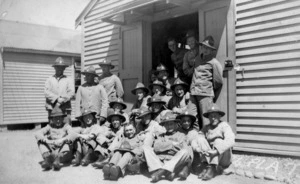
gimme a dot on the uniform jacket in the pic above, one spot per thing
(93, 98)
(113, 87)
(62, 87)
(153, 129)
(166, 146)
(118, 136)
(221, 137)
(207, 77)
(177, 59)
(100, 132)
(189, 62)
(179, 102)
(136, 144)
(141, 103)
(50, 132)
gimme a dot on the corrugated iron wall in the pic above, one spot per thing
(101, 39)
(24, 77)
(268, 91)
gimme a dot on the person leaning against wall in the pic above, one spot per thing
(59, 89)
(110, 82)
(206, 83)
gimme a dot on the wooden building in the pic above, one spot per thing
(261, 95)
(27, 54)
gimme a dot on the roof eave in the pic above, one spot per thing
(84, 12)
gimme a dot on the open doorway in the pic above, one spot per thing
(176, 28)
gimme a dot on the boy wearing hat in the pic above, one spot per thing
(163, 75)
(177, 58)
(109, 81)
(178, 102)
(190, 56)
(186, 125)
(59, 90)
(53, 141)
(170, 151)
(157, 107)
(116, 132)
(141, 92)
(215, 144)
(148, 129)
(90, 140)
(158, 90)
(129, 149)
(207, 81)
(118, 106)
(91, 96)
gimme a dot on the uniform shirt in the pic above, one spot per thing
(207, 77)
(167, 145)
(189, 62)
(93, 98)
(113, 86)
(100, 132)
(51, 132)
(179, 102)
(141, 103)
(118, 136)
(135, 143)
(59, 87)
(220, 137)
(177, 59)
(153, 128)
(158, 116)
(168, 83)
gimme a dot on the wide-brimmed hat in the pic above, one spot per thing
(209, 42)
(161, 67)
(60, 62)
(57, 111)
(106, 62)
(158, 83)
(143, 112)
(156, 99)
(90, 70)
(169, 117)
(125, 147)
(118, 101)
(85, 112)
(213, 108)
(178, 82)
(140, 85)
(186, 114)
(114, 113)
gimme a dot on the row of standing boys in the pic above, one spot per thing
(174, 127)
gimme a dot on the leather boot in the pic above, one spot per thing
(77, 160)
(210, 173)
(87, 157)
(184, 173)
(170, 176)
(106, 171)
(155, 177)
(47, 161)
(102, 163)
(56, 164)
(99, 161)
(115, 172)
(202, 170)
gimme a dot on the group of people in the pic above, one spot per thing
(174, 127)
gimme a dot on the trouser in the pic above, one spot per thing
(64, 151)
(121, 159)
(223, 159)
(197, 106)
(181, 158)
(67, 119)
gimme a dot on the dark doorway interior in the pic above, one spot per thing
(162, 30)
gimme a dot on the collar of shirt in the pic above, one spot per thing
(60, 77)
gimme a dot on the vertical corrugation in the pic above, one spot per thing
(24, 77)
(268, 83)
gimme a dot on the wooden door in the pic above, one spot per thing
(130, 62)
(217, 19)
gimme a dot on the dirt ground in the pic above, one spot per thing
(19, 163)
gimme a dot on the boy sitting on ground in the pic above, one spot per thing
(54, 141)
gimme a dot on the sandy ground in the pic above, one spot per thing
(19, 163)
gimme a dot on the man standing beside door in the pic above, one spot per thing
(59, 89)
